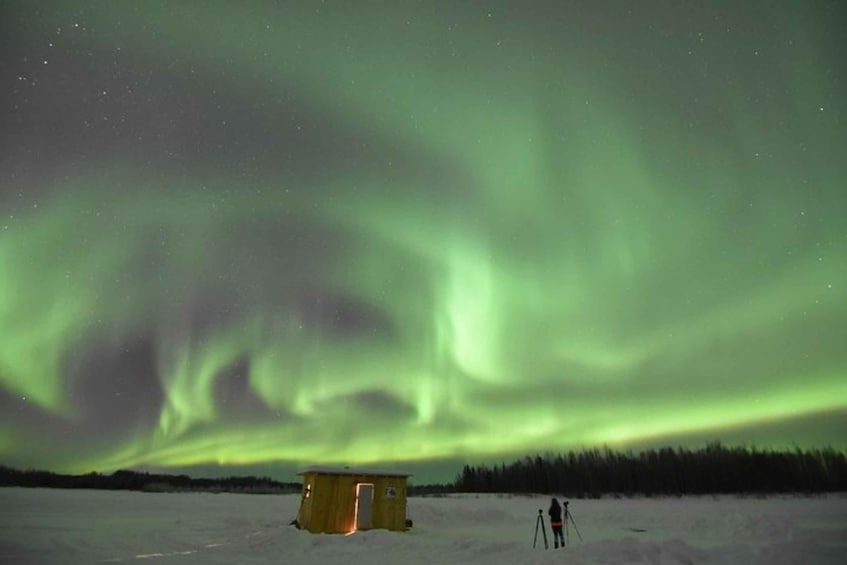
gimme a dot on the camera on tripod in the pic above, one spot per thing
(560, 515)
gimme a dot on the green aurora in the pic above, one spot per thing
(402, 233)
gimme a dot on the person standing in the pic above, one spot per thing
(556, 523)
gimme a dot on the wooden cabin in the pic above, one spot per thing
(344, 500)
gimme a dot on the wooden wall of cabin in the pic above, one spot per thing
(389, 511)
(304, 514)
(331, 504)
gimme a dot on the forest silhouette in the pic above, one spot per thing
(714, 469)
(591, 473)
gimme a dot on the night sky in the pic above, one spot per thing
(239, 235)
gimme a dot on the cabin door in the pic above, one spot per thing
(364, 506)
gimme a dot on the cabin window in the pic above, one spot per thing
(390, 492)
(307, 491)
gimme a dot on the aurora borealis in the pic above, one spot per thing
(285, 233)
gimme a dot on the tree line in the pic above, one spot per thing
(150, 482)
(714, 469)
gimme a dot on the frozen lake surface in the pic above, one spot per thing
(43, 526)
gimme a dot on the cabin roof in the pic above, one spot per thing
(323, 470)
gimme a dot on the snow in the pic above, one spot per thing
(72, 526)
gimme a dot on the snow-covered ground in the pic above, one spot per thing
(41, 526)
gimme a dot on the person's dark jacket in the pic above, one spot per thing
(555, 513)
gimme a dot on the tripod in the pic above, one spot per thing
(569, 520)
(540, 522)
